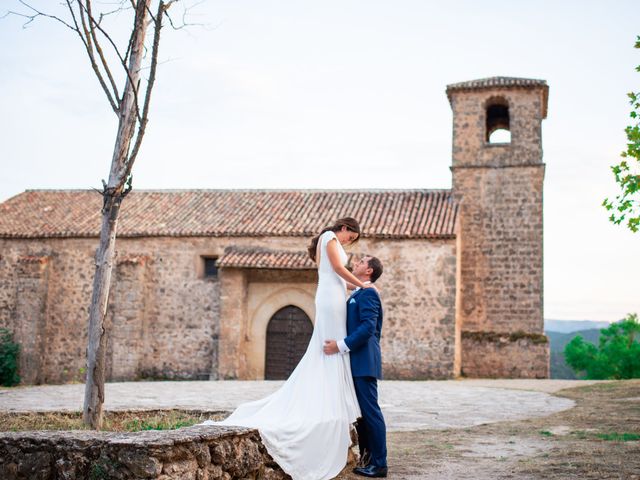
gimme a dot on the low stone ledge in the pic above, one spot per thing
(198, 453)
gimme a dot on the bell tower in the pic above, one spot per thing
(498, 177)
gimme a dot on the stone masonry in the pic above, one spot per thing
(499, 187)
(166, 321)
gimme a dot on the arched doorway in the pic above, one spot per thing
(288, 335)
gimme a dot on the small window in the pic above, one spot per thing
(498, 128)
(210, 267)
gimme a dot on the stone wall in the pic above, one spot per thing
(418, 291)
(128, 320)
(515, 355)
(418, 294)
(501, 245)
(162, 316)
(166, 321)
(61, 314)
(31, 301)
(198, 453)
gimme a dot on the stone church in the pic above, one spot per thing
(216, 284)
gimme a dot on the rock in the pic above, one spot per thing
(247, 457)
(9, 470)
(35, 465)
(181, 470)
(203, 456)
(140, 463)
(215, 472)
(65, 469)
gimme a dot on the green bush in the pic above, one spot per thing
(9, 352)
(616, 357)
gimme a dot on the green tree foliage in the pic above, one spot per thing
(626, 206)
(8, 359)
(616, 357)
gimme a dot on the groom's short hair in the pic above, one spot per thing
(374, 264)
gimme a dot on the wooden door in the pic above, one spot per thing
(288, 335)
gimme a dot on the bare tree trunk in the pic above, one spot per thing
(132, 110)
(96, 349)
(113, 193)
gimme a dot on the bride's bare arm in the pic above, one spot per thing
(334, 257)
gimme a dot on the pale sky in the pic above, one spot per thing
(348, 94)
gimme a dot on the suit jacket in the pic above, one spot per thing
(364, 324)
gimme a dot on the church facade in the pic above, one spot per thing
(216, 284)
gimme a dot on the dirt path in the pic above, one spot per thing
(585, 442)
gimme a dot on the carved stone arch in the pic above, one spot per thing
(259, 322)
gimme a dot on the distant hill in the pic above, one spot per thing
(568, 326)
(557, 342)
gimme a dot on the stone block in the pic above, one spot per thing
(505, 355)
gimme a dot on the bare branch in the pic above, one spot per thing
(129, 45)
(86, 38)
(98, 48)
(185, 12)
(97, 25)
(122, 60)
(37, 14)
(151, 16)
(150, 82)
(121, 8)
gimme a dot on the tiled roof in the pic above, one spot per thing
(255, 213)
(502, 82)
(260, 258)
(492, 82)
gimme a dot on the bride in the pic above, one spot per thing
(305, 424)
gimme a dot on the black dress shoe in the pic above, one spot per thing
(371, 471)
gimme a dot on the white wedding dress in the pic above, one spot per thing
(305, 425)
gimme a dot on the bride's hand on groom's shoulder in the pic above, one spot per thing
(371, 285)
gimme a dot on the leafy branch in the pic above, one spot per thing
(626, 206)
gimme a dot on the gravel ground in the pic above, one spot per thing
(585, 442)
(407, 405)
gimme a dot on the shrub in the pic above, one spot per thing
(616, 357)
(9, 352)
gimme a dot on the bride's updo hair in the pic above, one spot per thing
(351, 224)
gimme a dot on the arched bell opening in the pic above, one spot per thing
(498, 129)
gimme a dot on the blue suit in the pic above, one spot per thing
(364, 324)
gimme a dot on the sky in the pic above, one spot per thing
(347, 94)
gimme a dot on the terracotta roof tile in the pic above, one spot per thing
(261, 258)
(255, 213)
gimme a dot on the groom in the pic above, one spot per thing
(364, 323)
